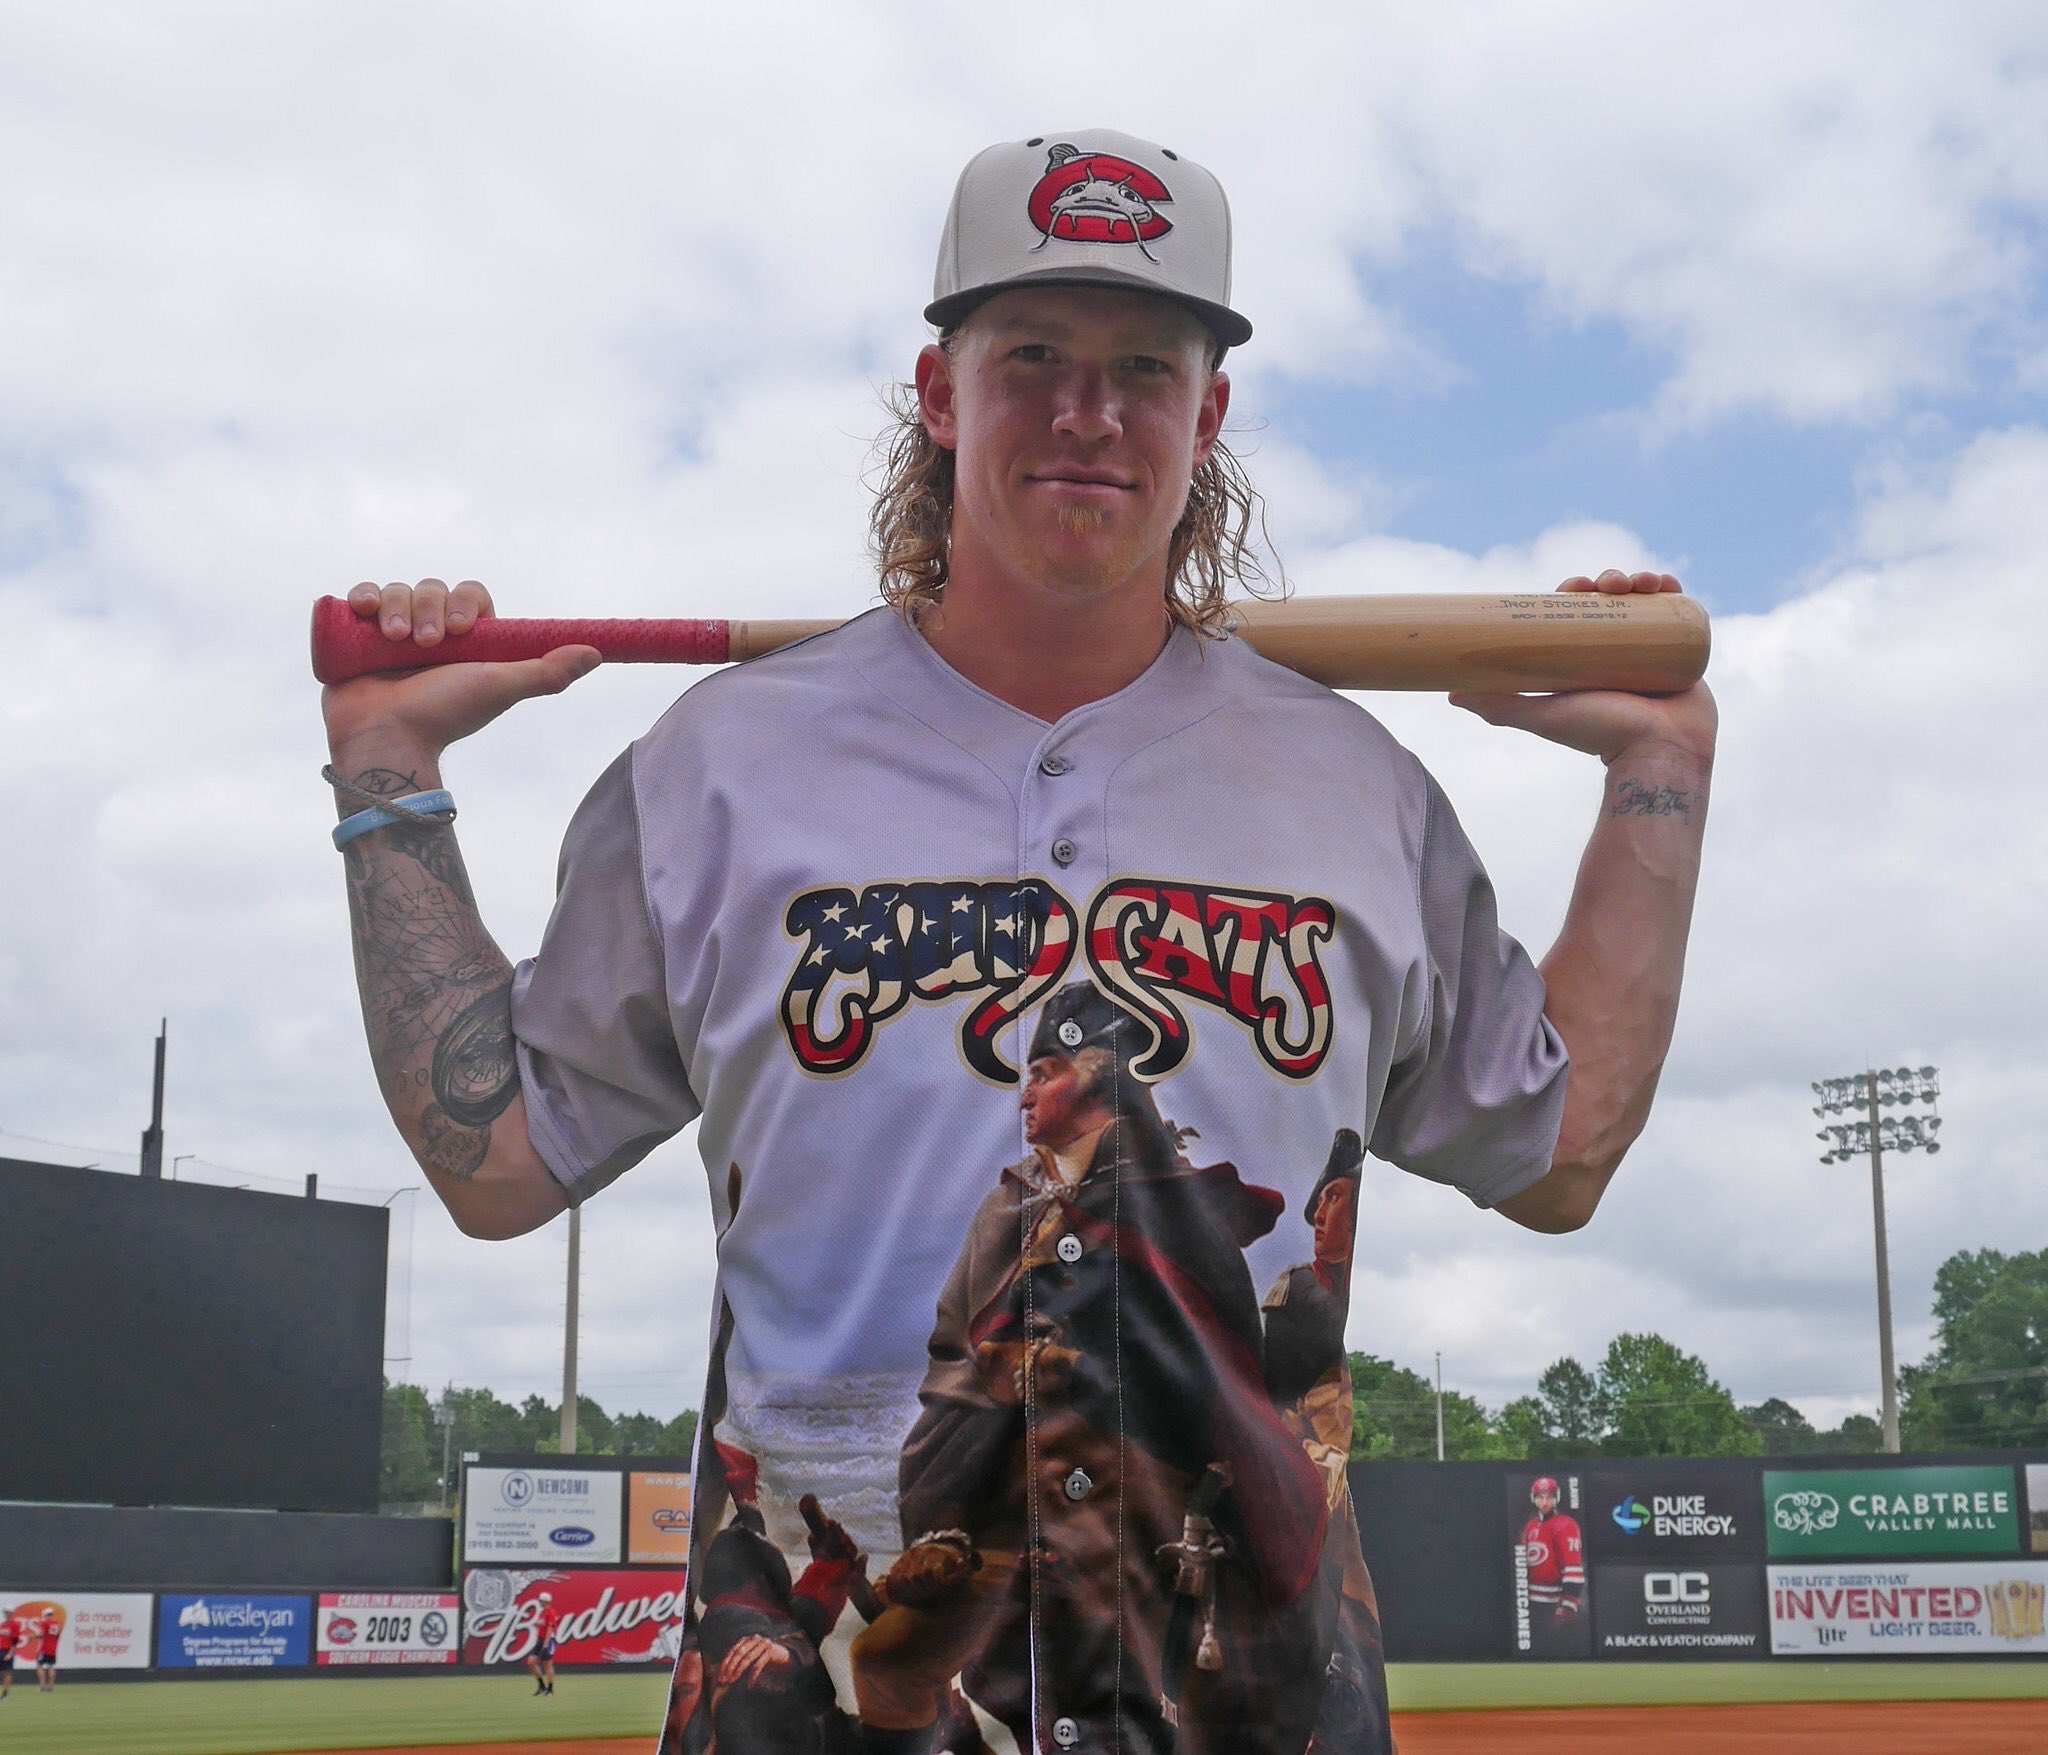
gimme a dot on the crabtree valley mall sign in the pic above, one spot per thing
(1891, 1511)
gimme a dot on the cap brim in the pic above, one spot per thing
(1228, 327)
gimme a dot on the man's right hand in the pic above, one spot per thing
(406, 719)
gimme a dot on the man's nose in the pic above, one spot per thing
(1088, 408)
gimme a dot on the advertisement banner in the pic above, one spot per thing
(1891, 1511)
(1547, 1556)
(1679, 1612)
(2037, 1507)
(559, 1517)
(606, 1617)
(387, 1627)
(1944, 1608)
(1697, 1511)
(233, 1632)
(95, 1630)
(658, 1519)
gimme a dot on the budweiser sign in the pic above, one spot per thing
(604, 1617)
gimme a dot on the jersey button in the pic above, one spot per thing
(1054, 766)
(1065, 1732)
(1064, 851)
(1077, 1486)
(1068, 1248)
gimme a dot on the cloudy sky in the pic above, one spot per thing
(597, 304)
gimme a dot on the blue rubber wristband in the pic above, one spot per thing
(438, 805)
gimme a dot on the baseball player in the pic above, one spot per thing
(540, 1662)
(1553, 1556)
(822, 903)
(10, 1638)
(47, 1631)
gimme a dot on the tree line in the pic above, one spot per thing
(410, 1473)
(1983, 1387)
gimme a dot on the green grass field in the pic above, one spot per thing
(270, 1718)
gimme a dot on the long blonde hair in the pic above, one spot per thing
(910, 528)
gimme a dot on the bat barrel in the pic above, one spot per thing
(1647, 643)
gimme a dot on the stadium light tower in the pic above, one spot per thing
(1876, 1133)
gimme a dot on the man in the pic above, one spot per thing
(1552, 1558)
(47, 1631)
(818, 902)
(540, 1662)
(10, 1637)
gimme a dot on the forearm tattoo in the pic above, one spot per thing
(1633, 799)
(437, 993)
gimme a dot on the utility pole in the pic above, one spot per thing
(444, 1417)
(568, 1438)
(1439, 1406)
(153, 1134)
(1903, 1133)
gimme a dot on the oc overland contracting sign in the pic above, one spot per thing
(1679, 1611)
(1818, 1512)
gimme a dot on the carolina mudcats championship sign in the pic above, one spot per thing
(387, 1627)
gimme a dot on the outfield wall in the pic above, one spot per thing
(1724, 1558)
(166, 1548)
(1928, 1557)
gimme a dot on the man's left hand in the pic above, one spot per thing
(1607, 722)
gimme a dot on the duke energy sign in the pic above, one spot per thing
(1891, 1511)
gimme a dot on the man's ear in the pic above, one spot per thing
(1209, 422)
(935, 395)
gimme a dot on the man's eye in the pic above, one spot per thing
(1033, 352)
(1146, 364)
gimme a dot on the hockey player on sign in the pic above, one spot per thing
(1553, 1552)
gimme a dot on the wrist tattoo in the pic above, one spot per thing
(1633, 799)
(381, 782)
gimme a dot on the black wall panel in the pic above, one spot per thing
(80, 1546)
(177, 1344)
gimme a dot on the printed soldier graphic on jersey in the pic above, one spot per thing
(863, 956)
(1098, 198)
(1119, 1467)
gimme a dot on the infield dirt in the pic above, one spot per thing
(1900, 1727)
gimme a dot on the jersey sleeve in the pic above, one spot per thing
(1475, 1096)
(603, 1078)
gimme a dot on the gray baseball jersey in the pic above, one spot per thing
(1019, 1050)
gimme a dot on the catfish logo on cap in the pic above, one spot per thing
(1098, 198)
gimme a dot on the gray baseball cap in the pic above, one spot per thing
(1087, 207)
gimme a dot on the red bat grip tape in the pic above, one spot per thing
(347, 645)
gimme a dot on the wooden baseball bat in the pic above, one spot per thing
(1654, 643)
